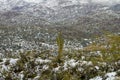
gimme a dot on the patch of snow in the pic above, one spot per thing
(1, 55)
(45, 67)
(42, 61)
(97, 78)
(71, 63)
(86, 63)
(96, 67)
(80, 69)
(13, 61)
(4, 67)
(45, 44)
(51, 3)
(34, 1)
(111, 76)
(21, 50)
(105, 8)
(57, 69)
(36, 78)
(99, 53)
(48, 3)
(21, 75)
(4, 60)
(82, 57)
(83, 1)
(86, 39)
(107, 2)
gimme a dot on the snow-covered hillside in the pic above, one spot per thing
(87, 16)
(50, 10)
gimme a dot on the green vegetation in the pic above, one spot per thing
(60, 44)
(97, 59)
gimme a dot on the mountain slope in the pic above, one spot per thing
(87, 16)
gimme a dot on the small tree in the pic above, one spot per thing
(60, 44)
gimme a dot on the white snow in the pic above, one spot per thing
(107, 2)
(36, 78)
(82, 57)
(97, 78)
(51, 3)
(111, 76)
(56, 69)
(4, 67)
(86, 39)
(45, 44)
(48, 3)
(75, 1)
(71, 63)
(21, 75)
(86, 63)
(13, 61)
(4, 60)
(34, 1)
(45, 67)
(80, 69)
(42, 61)
(96, 67)
(9, 4)
(83, 1)
(1, 55)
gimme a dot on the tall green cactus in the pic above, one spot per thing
(60, 44)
